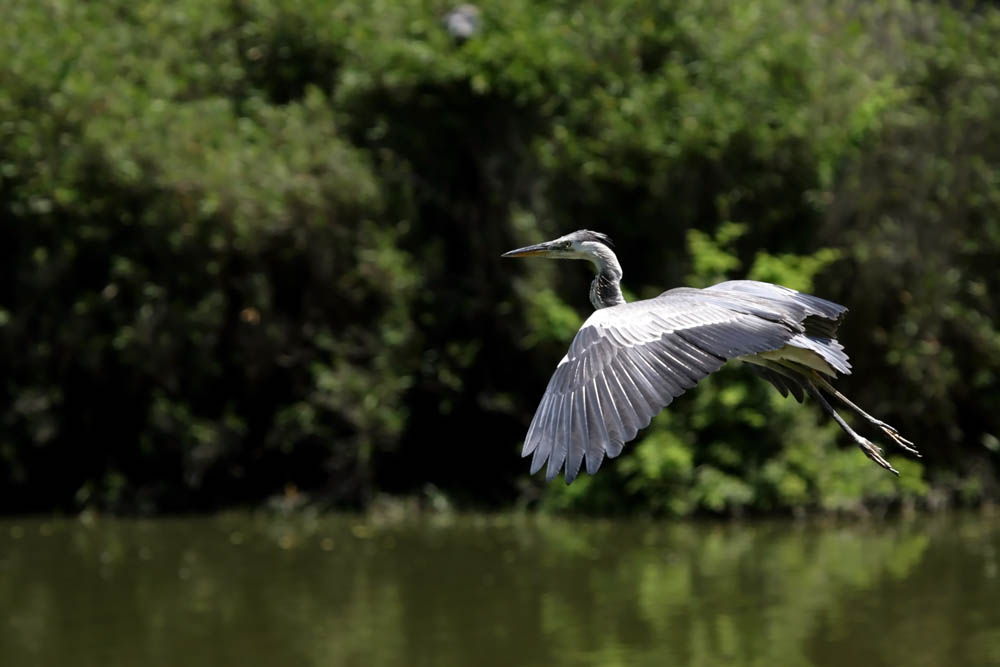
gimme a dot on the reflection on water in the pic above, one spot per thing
(237, 590)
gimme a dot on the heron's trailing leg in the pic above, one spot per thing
(870, 449)
(885, 428)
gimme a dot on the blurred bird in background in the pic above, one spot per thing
(463, 22)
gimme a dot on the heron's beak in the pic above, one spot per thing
(537, 249)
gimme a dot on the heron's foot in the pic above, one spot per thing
(874, 452)
(902, 442)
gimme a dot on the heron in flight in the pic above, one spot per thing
(630, 360)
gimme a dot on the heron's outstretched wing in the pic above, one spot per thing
(628, 362)
(819, 317)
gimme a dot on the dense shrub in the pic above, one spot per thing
(250, 249)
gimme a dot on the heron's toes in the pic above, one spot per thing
(874, 452)
(903, 443)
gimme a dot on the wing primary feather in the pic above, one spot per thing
(691, 368)
(560, 444)
(545, 437)
(654, 373)
(538, 460)
(537, 427)
(615, 448)
(531, 439)
(671, 373)
(636, 372)
(544, 453)
(701, 361)
(596, 428)
(577, 444)
(562, 379)
(680, 373)
(634, 399)
(556, 434)
(609, 410)
(699, 343)
(720, 342)
(625, 410)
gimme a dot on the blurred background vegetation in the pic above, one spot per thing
(249, 251)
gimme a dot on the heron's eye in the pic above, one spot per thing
(567, 245)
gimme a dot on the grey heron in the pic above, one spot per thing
(630, 360)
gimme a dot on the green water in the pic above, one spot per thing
(236, 590)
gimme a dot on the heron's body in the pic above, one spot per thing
(630, 360)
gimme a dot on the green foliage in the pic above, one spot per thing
(711, 259)
(247, 247)
(197, 288)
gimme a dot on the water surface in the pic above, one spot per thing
(240, 590)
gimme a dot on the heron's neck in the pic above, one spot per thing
(606, 289)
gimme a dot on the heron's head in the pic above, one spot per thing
(581, 244)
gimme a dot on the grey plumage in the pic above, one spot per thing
(462, 22)
(630, 360)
